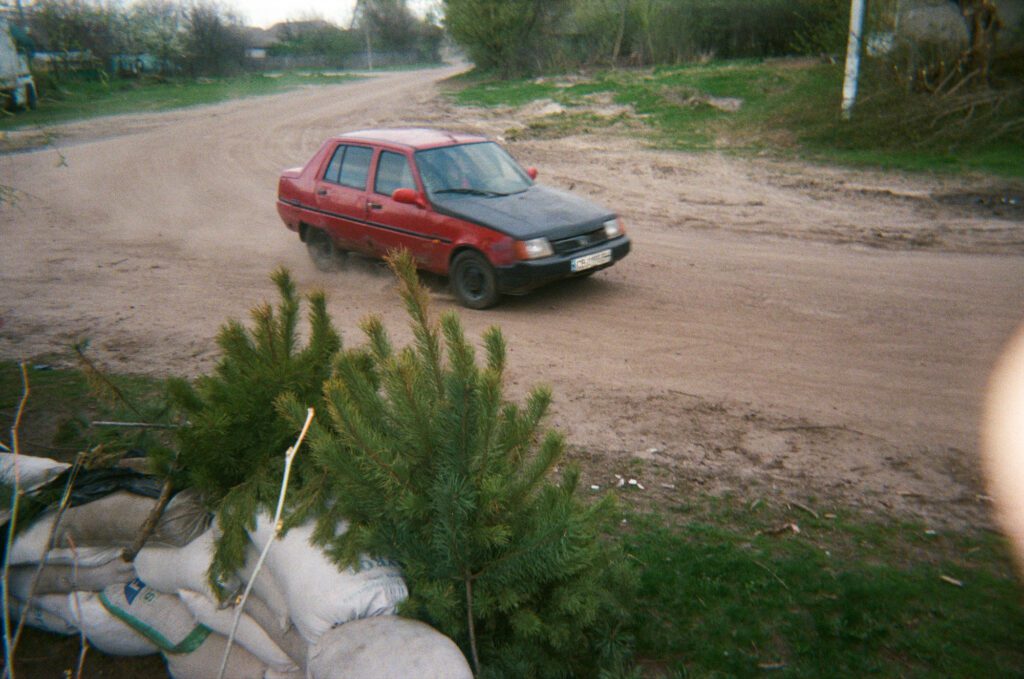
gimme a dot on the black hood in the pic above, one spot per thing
(537, 211)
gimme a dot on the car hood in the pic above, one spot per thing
(537, 211)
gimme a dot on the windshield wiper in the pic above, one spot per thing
(472, 192)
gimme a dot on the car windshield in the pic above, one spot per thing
(480, 169)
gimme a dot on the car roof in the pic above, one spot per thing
(413, 137)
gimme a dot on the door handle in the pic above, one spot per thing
(374, 206)
(321, 192)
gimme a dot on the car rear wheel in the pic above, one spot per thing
(325, 254)
(473, 280)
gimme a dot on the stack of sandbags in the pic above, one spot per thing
(297, 596)
(304, 617)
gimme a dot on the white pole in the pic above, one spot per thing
(853, 56)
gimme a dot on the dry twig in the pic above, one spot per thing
(289, 457)
(9, 646)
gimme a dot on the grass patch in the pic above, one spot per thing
(77, 98)
(725, 591)
(788, 108)
(61, 405)
(844, 597)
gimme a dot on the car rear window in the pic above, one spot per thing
(349, 166)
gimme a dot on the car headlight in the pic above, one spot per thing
(534, 248)
(613, 228)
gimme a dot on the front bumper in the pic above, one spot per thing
(526, 275)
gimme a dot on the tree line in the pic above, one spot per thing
(517, 37)
(202, 38)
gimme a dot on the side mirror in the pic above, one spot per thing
(532, 171)
(408, 196)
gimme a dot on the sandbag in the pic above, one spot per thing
(249, 635)
(289, 641)
(320, 595)
(385, 647)
(204, 662)
(116, 520)
(267, 589)
(49, 612)
(64, 579)
(32, 472)
(170, 569)
(31, 547)
(93, 484)
(161, 618)
(104, 631)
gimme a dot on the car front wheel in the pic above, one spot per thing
(322, 250)
(473, 280)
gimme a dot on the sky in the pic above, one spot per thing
(266, 13)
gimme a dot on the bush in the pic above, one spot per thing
(433, 468)
(418, 451)
(232, 448)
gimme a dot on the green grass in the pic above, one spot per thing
(73, 99)
(789, 109)
(62, 402)
(845, 597)
(724, 592)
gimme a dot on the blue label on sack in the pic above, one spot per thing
(132, 589)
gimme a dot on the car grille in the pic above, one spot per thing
(584, 240)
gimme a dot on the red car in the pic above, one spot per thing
(459, 203)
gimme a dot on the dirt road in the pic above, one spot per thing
(780, 329)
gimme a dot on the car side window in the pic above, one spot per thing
(334, 167)
(355, 166)
(392, 173)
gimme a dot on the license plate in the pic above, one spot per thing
(590, 261)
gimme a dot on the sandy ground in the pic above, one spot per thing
(781, 330)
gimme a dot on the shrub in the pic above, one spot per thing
(433, 468)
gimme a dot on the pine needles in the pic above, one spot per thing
(433, 468)
(230, 451)
(418, 457)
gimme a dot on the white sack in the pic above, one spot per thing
(64, 579)
(161, 618)
(249, 635)
(31, 545)
(104, 631)
(289, 641)
(32, 471)
(116, 520)
(386, 647)
(204, 662)
(320, 595)
(169, 569)
(49, 612)
(267, 589)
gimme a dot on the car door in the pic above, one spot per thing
(399, 225)
(341, 195)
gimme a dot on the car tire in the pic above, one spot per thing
(31, 99)
(321, 248)
(473, 280)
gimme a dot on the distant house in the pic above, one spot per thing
(940, 21)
